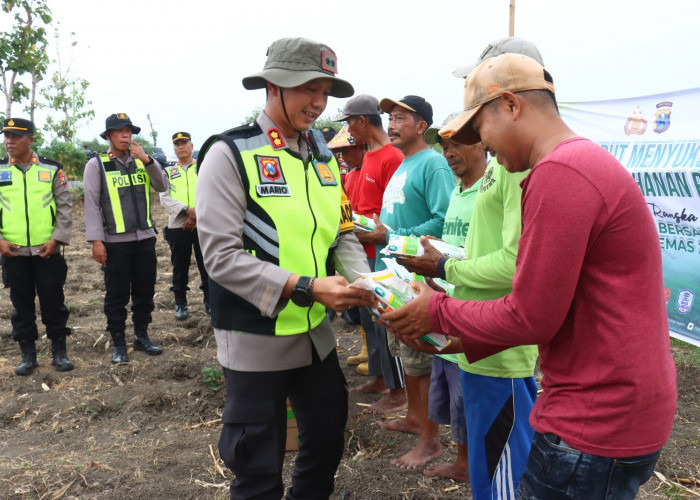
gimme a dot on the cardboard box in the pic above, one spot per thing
(292, 431)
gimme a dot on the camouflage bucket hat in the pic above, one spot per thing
(294, 61)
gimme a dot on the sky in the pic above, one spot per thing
(182, 62)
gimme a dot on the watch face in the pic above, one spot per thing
(301, 297)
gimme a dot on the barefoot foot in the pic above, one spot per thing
(394, 401)
(424, 452)
(375, 386)
(448, 471)
(401, 425)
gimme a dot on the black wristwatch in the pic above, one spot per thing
(303, 293)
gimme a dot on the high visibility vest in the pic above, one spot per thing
(125, 198)
(27, 204)
(292, 220)
(183, 183)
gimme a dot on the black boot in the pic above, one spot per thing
(60, 358)
(119, 354)
(143, 343)
(181, 313)
(28, 363)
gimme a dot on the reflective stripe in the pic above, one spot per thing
(268, 247)
(262, 226)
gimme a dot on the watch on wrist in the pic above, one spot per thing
(303, 292)
(149, 163)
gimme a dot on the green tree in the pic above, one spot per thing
(145, 144)
(96, 145)
(22, 50)
(252, 116)
(67, 154)
(67, 96)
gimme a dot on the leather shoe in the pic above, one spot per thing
(144, 344)
(119, 354)
(181, 313)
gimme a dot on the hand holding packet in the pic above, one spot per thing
(391, 292)
(406, 247)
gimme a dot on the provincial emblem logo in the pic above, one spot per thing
(663, 117)
(636, 123)
(270, 169)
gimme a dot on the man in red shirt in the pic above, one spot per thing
(381, 160)
(588, 290)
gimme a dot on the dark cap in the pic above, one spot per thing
(182, 136)
(18, 126)
(328, 133)
(294, 61)
(359, 105)
(412, 103)
(118, 121)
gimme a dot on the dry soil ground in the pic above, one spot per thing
(149, 429)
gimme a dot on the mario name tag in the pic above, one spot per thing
(44, 176)
(325, 175)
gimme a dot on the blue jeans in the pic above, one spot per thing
(556, 471)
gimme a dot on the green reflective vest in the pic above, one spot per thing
(292, 219)
(27, 205)
(126, 196)
(183, 183)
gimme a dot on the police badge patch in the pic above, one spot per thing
(324, 174)
(5, 177)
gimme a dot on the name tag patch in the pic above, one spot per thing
(272, 189)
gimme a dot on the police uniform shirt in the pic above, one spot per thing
(176, 217)
(94, 221)
(64, 222)
(221, 205)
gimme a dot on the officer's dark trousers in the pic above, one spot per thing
(253, 438)
(30, 276)
(181, 244)
(130, 271)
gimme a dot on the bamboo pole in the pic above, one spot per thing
(511, 28)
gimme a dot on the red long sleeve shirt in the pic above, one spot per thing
(588, 290)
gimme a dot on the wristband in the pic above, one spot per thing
(441, 268)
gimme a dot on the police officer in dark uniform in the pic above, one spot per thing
(35, 220)
(118, 223)
(181, 233)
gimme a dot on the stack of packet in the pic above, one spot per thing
(391, 292)
(405, 247)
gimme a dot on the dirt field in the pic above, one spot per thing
(149, 429)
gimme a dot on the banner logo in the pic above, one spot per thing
(663, 117)
(685, 301)
(636, 124)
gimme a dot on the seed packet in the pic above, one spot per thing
(406, 247)
(391, 292)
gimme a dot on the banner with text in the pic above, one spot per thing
(657, 138)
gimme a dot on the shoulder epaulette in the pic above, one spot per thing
(49, 161)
